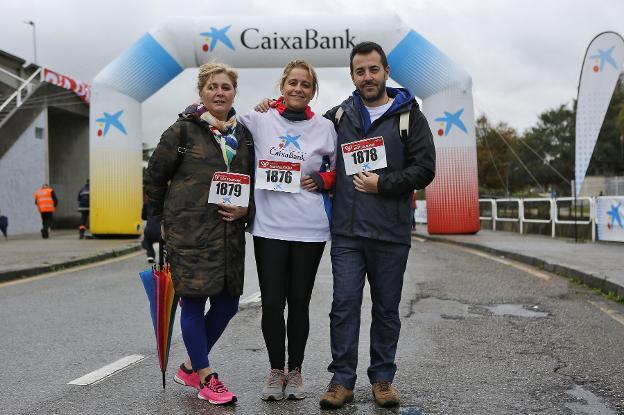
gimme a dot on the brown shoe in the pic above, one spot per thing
(385, 394)
(336, 396)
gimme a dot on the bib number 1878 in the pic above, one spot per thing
(364, 156)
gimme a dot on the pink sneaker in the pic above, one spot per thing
(215, 392)
(187, 377)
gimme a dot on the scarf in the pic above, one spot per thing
(223, 131)
(289, 114)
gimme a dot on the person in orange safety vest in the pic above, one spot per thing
(46, 202)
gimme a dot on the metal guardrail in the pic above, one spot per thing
(553, 213)
(17, 95)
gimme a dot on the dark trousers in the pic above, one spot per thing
(149, 239)
(286, 271)
(353, 259)
(46, 223)
(84, 218)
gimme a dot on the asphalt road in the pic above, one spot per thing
(480, 335)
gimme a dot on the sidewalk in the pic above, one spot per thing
(28, 254)
(599, 264)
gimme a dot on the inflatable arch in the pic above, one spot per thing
(251, 42)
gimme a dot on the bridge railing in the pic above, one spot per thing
(541, 210)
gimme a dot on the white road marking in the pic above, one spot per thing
(614, 314)
(522, 267)
(416, 238)
(107, 370)
(72, 269)
(253, 298)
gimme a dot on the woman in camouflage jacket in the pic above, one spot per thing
(205, 242)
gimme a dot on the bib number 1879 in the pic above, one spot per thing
(229, 189)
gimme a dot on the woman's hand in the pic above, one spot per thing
(263, 106)
(162, 231)
(230, 213)
(308, 184)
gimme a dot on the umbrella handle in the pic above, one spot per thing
(161, 252)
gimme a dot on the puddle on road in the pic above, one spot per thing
(436, 309)
(517, 310)
(589, 403)
(433, 309)
(409, 411)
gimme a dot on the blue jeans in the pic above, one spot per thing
(353, 259)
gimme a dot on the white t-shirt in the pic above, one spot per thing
(376, 112)
(303, 216)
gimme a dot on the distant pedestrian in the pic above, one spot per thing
(46, 202)
(151, 233)
(83, 208)
(4, 224)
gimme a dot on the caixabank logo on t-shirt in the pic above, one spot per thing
(288, 147)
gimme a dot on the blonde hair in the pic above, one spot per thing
(303, 64)
(208, 70)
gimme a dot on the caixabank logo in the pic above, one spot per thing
(602, 57)
(107, 121)
(450, 120)
(214, 36)
(254, 38)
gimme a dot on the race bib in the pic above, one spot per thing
(229, 189)
(279, 176)
(364, 155)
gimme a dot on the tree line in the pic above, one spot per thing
(541, 159)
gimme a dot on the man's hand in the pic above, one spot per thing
(263, 106)
(230, 213)
(366, 182)
(308, 184)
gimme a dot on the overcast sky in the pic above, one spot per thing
(524, 56)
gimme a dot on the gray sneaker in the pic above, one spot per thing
(273, 389)
(294, 385)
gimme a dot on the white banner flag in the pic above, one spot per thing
(599, 75)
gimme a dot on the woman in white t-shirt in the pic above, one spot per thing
(291, 224)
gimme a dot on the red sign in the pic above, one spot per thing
(362, 144)
(279, 165)
(79, 88)
(231, 178)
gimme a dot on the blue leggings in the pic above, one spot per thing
(200, 332)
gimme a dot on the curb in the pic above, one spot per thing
(592, 281)
(6, 276)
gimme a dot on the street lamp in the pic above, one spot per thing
(30, 22)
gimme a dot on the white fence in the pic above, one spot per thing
(553, 208)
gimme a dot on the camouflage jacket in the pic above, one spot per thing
(207, 254)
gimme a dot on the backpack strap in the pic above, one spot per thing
(404, 121)
(338, 116)
(182, 148)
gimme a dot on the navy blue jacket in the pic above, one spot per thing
(384, 216)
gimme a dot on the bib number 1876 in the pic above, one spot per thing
(278, 176)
